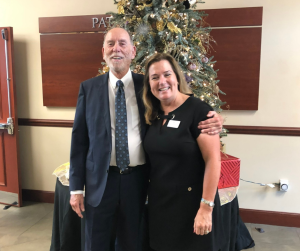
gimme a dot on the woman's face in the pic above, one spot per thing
(163, 81)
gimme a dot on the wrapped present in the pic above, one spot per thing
(230, 171)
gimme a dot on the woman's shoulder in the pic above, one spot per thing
(199, 104)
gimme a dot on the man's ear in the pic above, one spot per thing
(133, 52)
(103, 53)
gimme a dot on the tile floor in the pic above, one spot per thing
(29, 229)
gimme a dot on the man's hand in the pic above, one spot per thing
(213, 125)
(76, 202)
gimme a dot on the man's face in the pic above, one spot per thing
(118, 52)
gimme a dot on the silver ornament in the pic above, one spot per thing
(204, 60)
(192, 67)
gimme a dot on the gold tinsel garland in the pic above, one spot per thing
(172, 27)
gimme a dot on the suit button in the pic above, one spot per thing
(189, 189)
(149, 180)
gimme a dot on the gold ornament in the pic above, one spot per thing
(160, 25)
(105, 69)
(173, 27)
(132, 19)
(121, 10)
(121, 5)
(170, 47)
(166, 15)
(137, 69)
(141, 7)
(176, 15)
(198, 39)
(216, 89)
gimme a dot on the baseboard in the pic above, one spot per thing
(270, 217)
(37, 196)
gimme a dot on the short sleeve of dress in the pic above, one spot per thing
(201, 110)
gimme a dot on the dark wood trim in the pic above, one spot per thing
(233, 129)
(270, 217)
(263, 130)
(45, 122)
(37, 196)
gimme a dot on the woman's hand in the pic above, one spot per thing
(203, 220)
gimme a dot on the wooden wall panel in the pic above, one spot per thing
(2, 160)
(88, 23)
(238, 59)
(67, 60)
(251, 16)
(1, 79)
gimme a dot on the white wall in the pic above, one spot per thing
(263, 158)
(266, 159)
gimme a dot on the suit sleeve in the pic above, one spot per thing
(79, 144)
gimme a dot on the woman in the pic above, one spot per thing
(184, 207)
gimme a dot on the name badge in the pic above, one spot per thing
(173, 123)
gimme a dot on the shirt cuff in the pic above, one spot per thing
(77, 192)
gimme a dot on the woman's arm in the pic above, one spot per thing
(210, 149)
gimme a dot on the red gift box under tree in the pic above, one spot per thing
(230, 171)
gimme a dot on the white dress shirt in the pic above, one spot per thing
(135, 145)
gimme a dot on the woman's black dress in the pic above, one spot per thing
(176, 181)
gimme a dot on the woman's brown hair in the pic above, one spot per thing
(152, 104)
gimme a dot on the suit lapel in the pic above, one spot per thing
(138, 87)
(103, 97)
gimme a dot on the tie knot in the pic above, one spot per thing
(120, 83)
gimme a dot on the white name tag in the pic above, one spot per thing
(173, 123)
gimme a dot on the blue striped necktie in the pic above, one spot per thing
(122, 154)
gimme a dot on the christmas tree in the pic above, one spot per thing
(174, 27)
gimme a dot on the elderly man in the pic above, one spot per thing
(107, 156)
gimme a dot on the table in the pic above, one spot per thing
(68, 228)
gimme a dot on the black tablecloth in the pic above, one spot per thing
(68, 228)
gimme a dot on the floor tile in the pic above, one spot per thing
(298, 231)
(40, 245)
(249, 227)
(41, 230)
(263, 246)
(276, 235)
(15, 222)
(29, 229)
